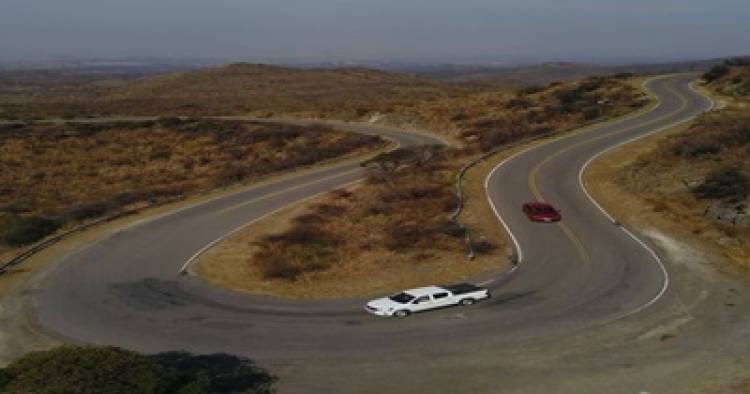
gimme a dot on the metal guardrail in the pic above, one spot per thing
(38, 247)
(470, 252)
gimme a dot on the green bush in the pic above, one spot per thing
(716, 72)
(113, 370)
(82, 370)
(23, 230)
(728, 183)
(696, 147)
(214, 373)
(483, 247)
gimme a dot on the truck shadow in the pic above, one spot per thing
(500, 299)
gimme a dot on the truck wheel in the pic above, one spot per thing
(401, 313)
(466, 301)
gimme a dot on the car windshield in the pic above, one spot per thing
(401, 298)
(545, 210)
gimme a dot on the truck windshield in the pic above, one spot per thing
(401, 298)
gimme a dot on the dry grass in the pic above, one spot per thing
(731, 79)
(693, 182)
(486, 120)
(483, 115)
(392, 231)
(346, 93)
(72, 173)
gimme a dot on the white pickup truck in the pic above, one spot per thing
(425, 298)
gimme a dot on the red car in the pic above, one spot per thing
(541, 212)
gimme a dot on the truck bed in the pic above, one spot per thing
(462, 288)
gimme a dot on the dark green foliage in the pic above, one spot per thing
(113, 370)
(716, 72)
(695, 148)
(625, 75)
(169, 122)
(483, 247)
(88, 211)
(453, 229)
(215, 373)
(83, 370)
(22, 230)
(4, 379)
(592, 113)
(728, 183)
(738, 61)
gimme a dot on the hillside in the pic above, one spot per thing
(542, 74)
(57, 174)
(731, 79)
(488, 119)
(698, 179)
(242, 89)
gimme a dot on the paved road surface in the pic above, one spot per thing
(590, 310)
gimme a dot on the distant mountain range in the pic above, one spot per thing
(538, 74)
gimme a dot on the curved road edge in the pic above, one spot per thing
(517, 249)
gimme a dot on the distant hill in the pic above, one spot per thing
(264, 90)
(254, 88)
(236, 89)
(731, 78)
(542, 74)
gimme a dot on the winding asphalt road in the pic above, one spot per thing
(589, 309)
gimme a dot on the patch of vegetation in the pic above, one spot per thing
(487, 120)
(727, 183)
(731, 78)
(235, 89)
(698, 180)
(21, 230)
(701, 176)
(114, 370)
(715, 149)
(403, 207)
(716, 72)
(78, 172)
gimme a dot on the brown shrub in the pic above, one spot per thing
(82, 171)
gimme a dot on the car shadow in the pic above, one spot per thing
(500, 299)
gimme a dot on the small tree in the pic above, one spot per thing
(83, 370)
(728, 183)
(716, 72)
(18, 231)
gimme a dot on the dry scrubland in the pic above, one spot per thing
(487, 120)
(237, 89)
(394, 230)
(700, 177)
(470, 111)
(59, 175)
(56, 175)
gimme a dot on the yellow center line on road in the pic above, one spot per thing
(535, 171)
(582, 251)
(532, 179)
(287, 190)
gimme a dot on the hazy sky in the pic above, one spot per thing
(503, 30)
